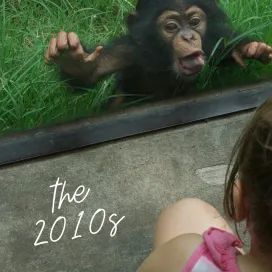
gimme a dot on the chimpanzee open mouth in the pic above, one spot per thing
(191, 64)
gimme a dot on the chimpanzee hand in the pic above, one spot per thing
(67, 51)
(253, 50)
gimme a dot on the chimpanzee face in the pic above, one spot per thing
(184, 31)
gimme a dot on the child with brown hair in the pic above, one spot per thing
(192, 236)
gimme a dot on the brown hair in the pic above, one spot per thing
(251, 159)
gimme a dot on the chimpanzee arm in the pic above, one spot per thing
(86, 73)
(221, 28)
(223, 55)
(245, 48)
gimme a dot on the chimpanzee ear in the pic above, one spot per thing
(139, 28)
(132, 19)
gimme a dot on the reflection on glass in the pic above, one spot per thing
(32, 94)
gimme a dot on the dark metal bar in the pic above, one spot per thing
(90, 131)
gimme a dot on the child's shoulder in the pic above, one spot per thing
(189, 251)
(173, 255)
(193, 247)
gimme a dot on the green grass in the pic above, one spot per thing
(30, 92)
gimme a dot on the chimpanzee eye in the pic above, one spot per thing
(195, 22)
(171, 27)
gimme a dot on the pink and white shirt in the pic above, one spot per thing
(216, 254)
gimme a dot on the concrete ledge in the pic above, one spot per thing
(98, 129)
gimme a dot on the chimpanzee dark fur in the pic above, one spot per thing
(150, 72)
(153, 54)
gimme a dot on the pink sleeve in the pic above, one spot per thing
(219, 247)
(222, 247)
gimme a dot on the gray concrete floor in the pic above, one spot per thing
(136, 178)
